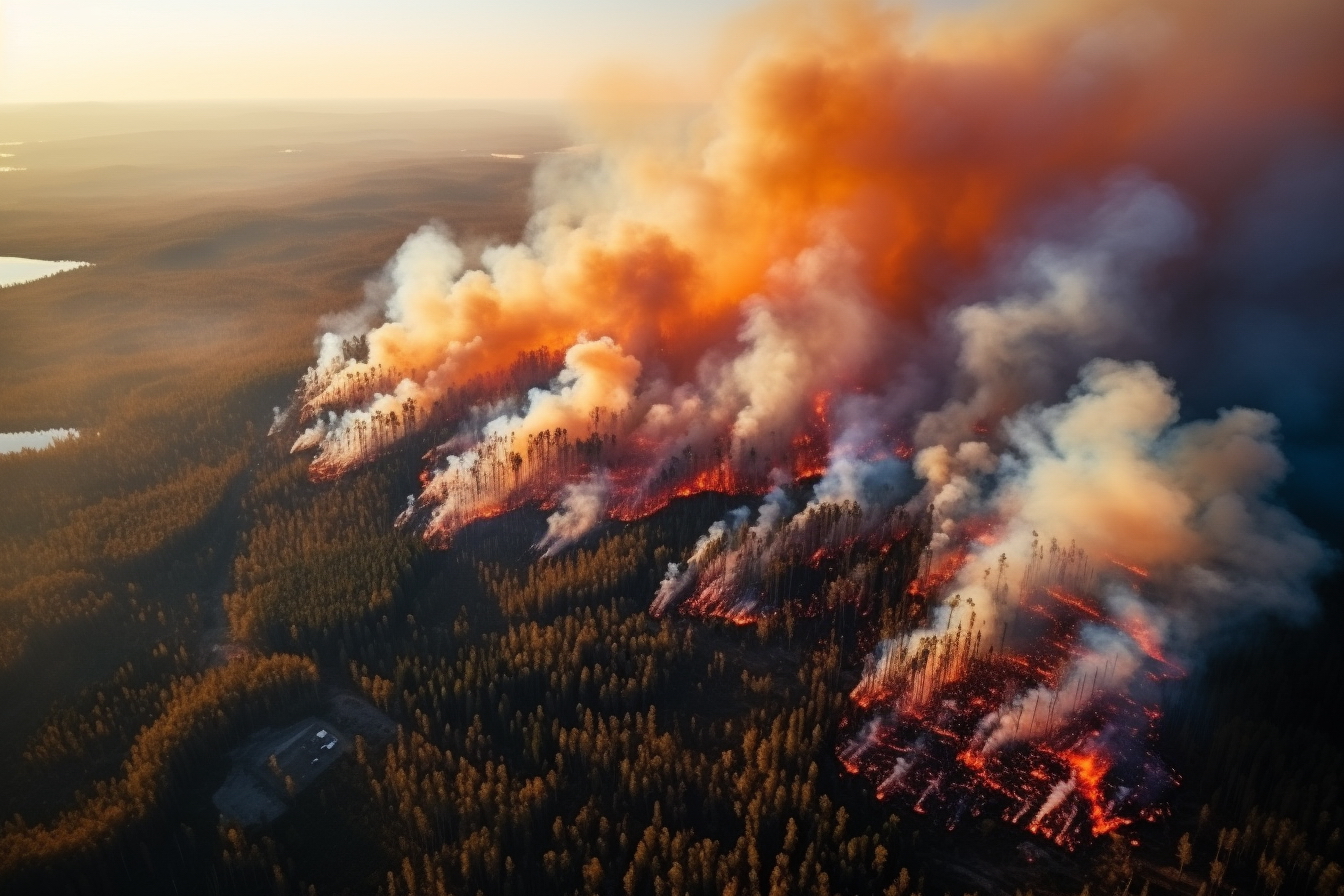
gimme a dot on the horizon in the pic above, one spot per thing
(149, 51)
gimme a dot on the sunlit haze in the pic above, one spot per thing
(130, 50)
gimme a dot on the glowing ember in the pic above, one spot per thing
(1049, 738)
(1033, 721)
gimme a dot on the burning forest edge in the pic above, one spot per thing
(1047, 720)
(904, 461)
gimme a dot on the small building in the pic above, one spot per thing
(273, 766)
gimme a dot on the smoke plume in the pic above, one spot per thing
(581, 510)
(900, 288)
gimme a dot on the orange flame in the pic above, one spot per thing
(1089, 770)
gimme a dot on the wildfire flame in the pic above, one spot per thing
(745, 310)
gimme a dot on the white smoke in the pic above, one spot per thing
(1190, 504)
(581, 509)
(1107, 664)
(1183, 508)
(714, 545)
(598, 377)
(1068, 300)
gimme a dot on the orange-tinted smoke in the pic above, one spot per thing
(920, 158)
(920, 155)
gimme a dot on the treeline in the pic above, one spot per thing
(571, 579)
(616, 812)
(128, 500)
(106, 541)
(1253, 730)
(554, 736)
(47, 600)
(541, 760)
(599, 657)
(202, 712)
(144, 437)
(113, 713)
(65, 573)
(123, 528)
(314, 558)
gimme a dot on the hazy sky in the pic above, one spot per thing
(63, 50)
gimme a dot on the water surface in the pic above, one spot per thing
(13, 442)
(21, 270)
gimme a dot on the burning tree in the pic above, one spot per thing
(746, 309)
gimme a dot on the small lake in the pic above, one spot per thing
(14, 271)
(13, 442)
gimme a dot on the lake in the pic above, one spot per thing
(14, 271)
(13, 442)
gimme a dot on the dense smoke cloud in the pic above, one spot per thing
(1070, 301)
(877, 283)
(1176, 517)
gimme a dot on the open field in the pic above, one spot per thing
(210, 245)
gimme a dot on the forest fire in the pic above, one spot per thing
(1024, 708)
(1078, 760)
(831, 474)
(518, 463)
(888, 329)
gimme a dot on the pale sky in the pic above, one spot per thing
(118, 50)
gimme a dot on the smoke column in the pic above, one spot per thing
(901, 288)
